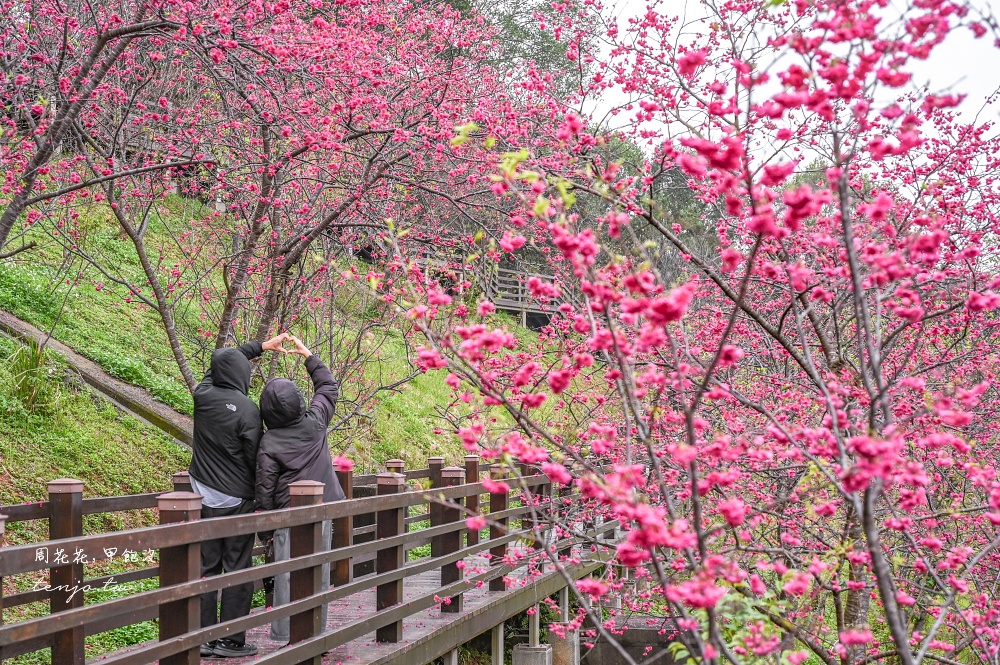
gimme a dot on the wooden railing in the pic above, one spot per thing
(504, 287)
(453, 491)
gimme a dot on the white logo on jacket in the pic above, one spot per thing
(231, 407)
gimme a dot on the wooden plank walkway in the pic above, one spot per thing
(366, 650)
(426, 634)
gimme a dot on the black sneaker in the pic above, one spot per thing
(207, 650)
(230, 649)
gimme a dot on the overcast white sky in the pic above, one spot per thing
(962, 64)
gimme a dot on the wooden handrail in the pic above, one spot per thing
(24, 512)
(26, 597)
(22, 558)
(328, 640)
(100, 505)
(116, 504)
(149, 653)
(443, 500)
(45, 625)
(38, 510)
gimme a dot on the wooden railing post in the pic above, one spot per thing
(399, 466)
(537, 494)
(451, 542)
(472, 502)
(304, 540)
(343, 533)
(389, 523)
(564, 492)
(178, 565)
(66, 576)
(435, 465)
(182, 482)
(498, 529)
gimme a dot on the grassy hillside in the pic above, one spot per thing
(69, 433)
(51, 426)
(58, 292)
(125, 339)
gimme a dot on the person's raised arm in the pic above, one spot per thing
(326, 389)
(253, 349)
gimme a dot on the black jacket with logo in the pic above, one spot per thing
(227, 425)
(294, 446)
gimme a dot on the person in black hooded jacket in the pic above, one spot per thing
(294, 448)
(227, 430)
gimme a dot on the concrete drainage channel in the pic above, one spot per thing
(131, 399)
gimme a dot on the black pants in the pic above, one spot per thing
(227, 555)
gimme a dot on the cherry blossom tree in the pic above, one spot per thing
(795, 432)
(72, 70)
(305, 131)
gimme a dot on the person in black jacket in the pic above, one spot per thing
(227, 430)
(294, 448)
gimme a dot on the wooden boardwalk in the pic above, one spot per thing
(365, 650)
(506, 288)
(427, 634)
(411, 627)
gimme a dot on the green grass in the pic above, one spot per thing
(72, 434)
(59, 293)
(110, 640)
(404, 421)
(68, 433)
(125, 339)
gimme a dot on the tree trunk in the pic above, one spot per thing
(858, 601)
(163, 306)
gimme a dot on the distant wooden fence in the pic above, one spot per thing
(504, 287)
(508, 290)
(385, 540)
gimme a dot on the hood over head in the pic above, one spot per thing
(230, 369)
(282, 404)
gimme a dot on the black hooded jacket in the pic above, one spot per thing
(227, 425)
(294, 446)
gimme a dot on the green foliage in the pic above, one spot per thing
(518, 626)
(404, 422)
(85, 438)
(57, 292)
(126, 635)
(27, 367)
(521, 40)
(470, 657)
(110, 640)
(25, 290)
(126, 340)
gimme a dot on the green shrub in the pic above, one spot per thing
(27, 368)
